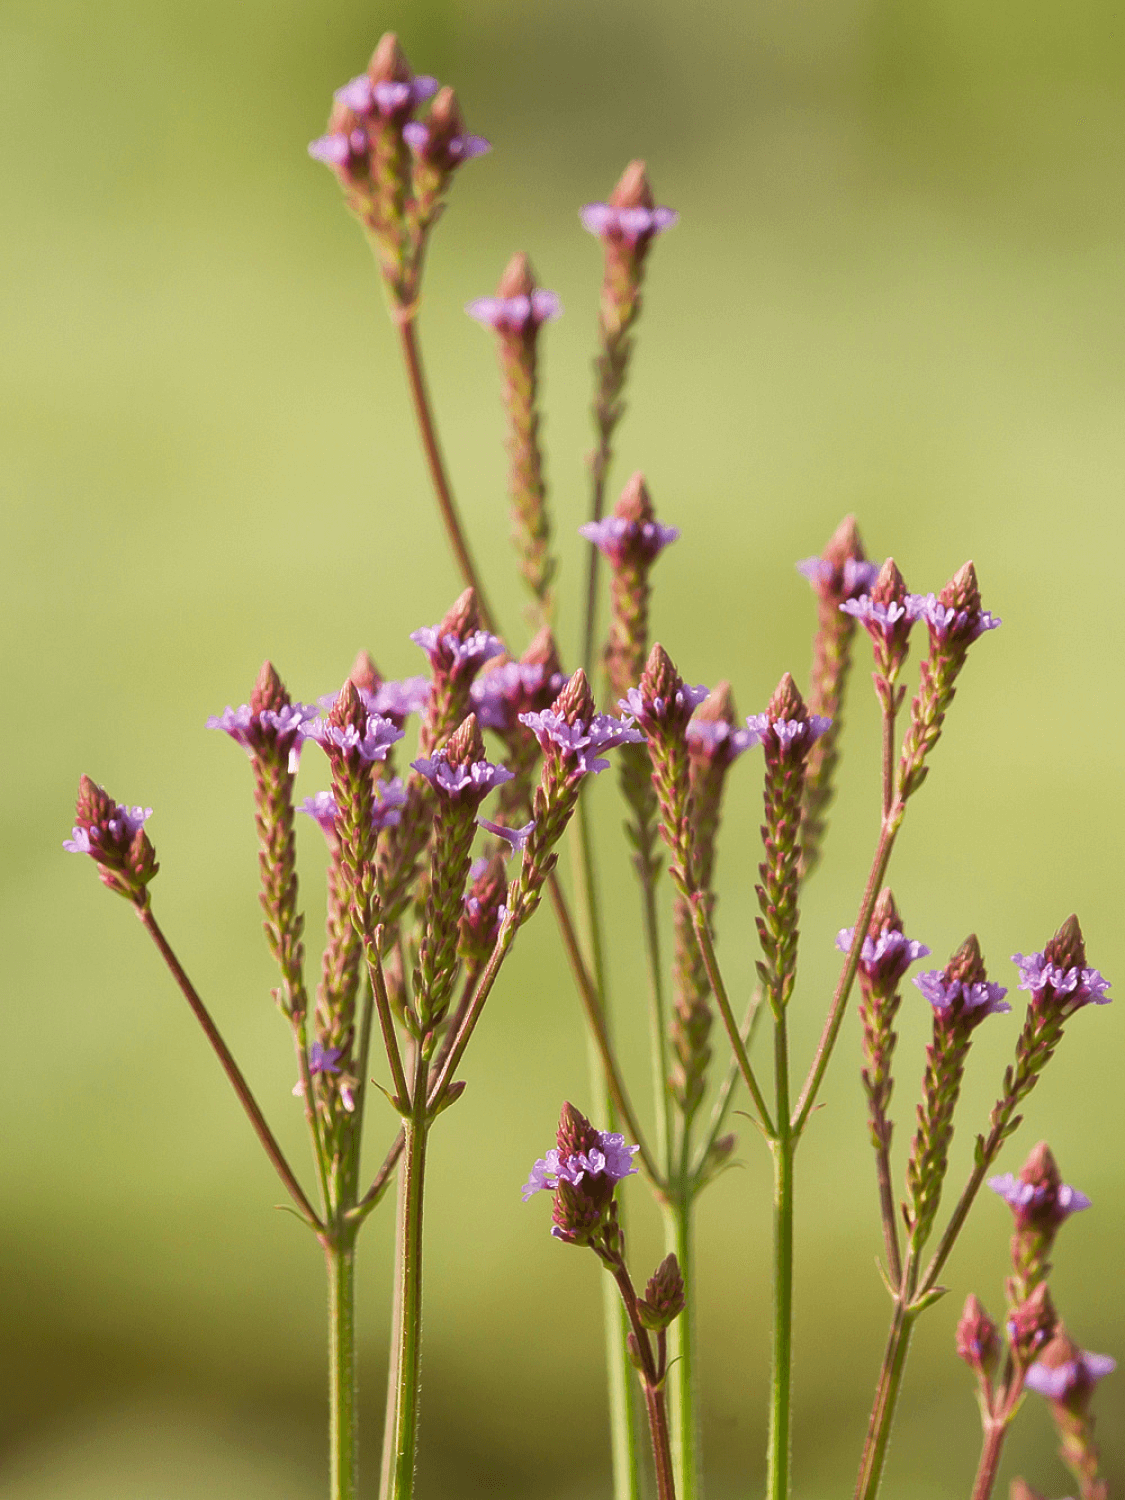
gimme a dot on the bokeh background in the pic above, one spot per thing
(896, 289)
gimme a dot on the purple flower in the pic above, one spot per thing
(449, 653)
(856, 576)
(620, 539)
(885, 958)
(389, 97)
(498, 694)
(121, 827)
(390, 798)
(787, 733)
(1073, 987)
(254, 730)
(684, 701)
(630, 224)
(1029, 1200)
(715, 737)
(582, 742)
(943, 620)
(456, 148)
(516, 314)
(884, 618)
(324, 1059)
(611, 1159)
(340, 150)
(972, 1000)
(516, 837)
(398, 700)
(372, 744)
(476, 778)
(1075, 1376)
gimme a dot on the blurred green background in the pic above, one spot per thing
(896, 289)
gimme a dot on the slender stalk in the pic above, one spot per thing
(231, 1069)
(386, 1018)
(888, 754)
(719, 990)
(658, 1023)
(886, 1398)
(363, 1053)
(994, 1434)
(342, 1431)
(599, 466)
(965, 1203)
(887, 835)
(408, 1364)
(652, 1379)
(621, 1394)
(888, 1213)
(412, 357)
(312, 1119)
(682, 1374)
(382, 1180)
(783, 1148)
(722, 1103)
(390, 1413)
(594, 1016)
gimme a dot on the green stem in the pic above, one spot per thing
(682, 1374)
(722, 1000)
(886, 1398)
(995, 1431)
(624, 1416)
(783, 1148)
(723, 1098)
(342, 1426)
(386, 1467)
(658, 1028)
(408, 1364)
(412, 357)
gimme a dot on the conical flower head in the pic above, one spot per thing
(956, 616)
(1067, 949)
(664, 1296)
(582, 1171)
(269, 691)
(662, 703)
(348, 711)
(575, 1135)
(1058, 979)
(1033, 1323)
(114, 837)
(365, 675)
(442, 142)
(978, 1342)
(520, 305)
(786, 731)
(1039, 1199)
(575, 704)
(842, 570)
(633, 188)
(887, 952)
(632, 537)
(631, 217)
(458, 771)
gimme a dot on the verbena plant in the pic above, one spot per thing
(418, 931)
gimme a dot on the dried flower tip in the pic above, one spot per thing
(978, 1342)
(631, 214)
(443, 140)
(516, 838)
(1067, 1374)
(1032, 1323)
(842, 570)
(711, 734)
(663, 1300)
(962, 992)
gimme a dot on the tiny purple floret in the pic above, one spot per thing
(687, 698)
(498, 692)
(388, 97)
(889, 949)
(858, 574)
(884, 619)
(606, 221)
(279, 727)
(942, 620)
(581, 742)
(378, 736)
(615, 537)
(977, 1000)
(516, 314)
(324, 1059)
(787, 731)
(448, 653)
(125, 824)
(611, 1158)
(716, 737)
(338, 149)
(516, 837)
(478, 777)
(458, 148)
(1060, 1381)
(1074, 987)
(1026, 1197)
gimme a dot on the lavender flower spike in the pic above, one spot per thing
(1028, 1199)
(1070, 988)
(473, 779)
(971, 1001)
(516, 314)
(367, 744)
(886, 958)
(618, 539)
(599, 1154)
(1074, 1377)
